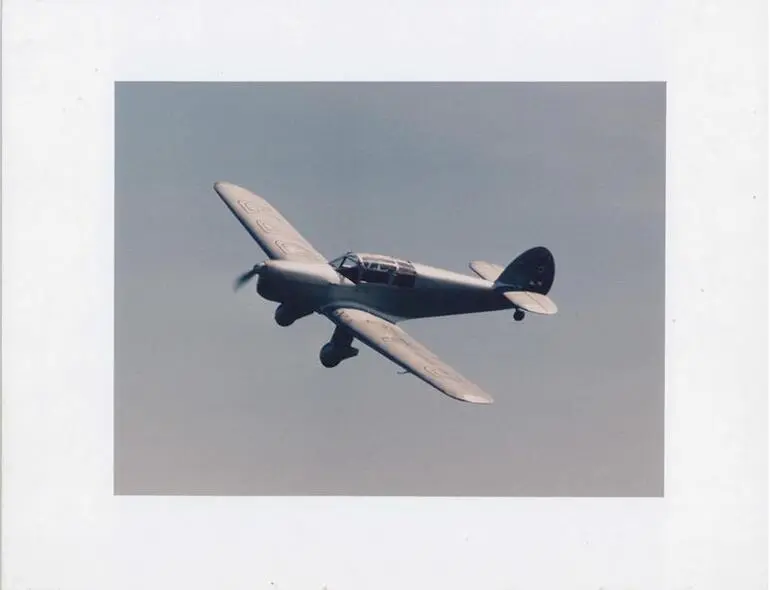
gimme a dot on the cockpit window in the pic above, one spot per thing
(375, 269)
(373, 274)
(347, 266)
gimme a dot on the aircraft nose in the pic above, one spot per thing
(312, 274)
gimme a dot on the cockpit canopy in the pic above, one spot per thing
(375, 268)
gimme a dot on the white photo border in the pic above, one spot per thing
(62, 525)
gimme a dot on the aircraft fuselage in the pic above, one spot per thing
(309, 287)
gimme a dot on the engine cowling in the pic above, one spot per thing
(266, 287)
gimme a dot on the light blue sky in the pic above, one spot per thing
(211, 396)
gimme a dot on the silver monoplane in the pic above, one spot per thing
(366, 295)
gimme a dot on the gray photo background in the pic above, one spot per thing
(212, 397)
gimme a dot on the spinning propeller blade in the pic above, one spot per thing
(247, 276)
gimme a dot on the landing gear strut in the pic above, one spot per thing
(518, 315)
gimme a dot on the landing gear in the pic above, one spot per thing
(286, 316)
(518, 315)
(337, 349)
(328, 357)
(332, 355)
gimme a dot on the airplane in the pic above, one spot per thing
(366, 296)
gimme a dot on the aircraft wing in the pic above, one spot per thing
(394, 343)
(276, 236)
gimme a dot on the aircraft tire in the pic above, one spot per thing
(327, 357)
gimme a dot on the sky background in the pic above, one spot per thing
(212, 397)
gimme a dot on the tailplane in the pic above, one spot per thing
(525, 281)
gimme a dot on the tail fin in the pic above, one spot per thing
(533, 271)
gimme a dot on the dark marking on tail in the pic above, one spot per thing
(533, 270)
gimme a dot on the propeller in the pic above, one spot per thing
(248, 275)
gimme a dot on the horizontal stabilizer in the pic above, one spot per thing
(527, 300)
(486, 270)
(532, 302)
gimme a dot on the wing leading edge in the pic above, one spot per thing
(276, 236)
(395, 344)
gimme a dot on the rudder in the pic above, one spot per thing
(533, 270)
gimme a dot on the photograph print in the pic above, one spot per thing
(389, 289)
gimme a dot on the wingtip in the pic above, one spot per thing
(484, 399)
(228, 191)
(220, 185)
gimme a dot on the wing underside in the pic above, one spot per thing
(395, 344)
(274, 234)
